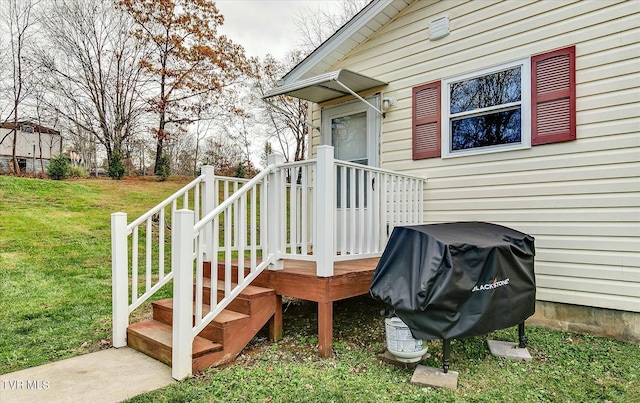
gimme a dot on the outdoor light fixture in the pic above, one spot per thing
(387, 103)
(439, 28)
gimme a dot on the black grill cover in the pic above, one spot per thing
(454, 280)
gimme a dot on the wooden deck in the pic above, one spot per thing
(298, 279)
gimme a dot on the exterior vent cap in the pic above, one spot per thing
(439, 28)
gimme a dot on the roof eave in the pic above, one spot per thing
(360, 20)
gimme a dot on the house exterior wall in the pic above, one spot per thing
(46, 146)
(580, 199)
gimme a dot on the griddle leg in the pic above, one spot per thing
(521, 337)
(446, 352)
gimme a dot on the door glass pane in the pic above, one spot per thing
(349, 137)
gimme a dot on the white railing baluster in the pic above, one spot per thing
(304, 214)
(196, 203)
(242, 221)
(174, 207)
(352, 208)
(134, 265)
(343, 222)
(214, 262)
(161, 244)
(293, 213)
(199, 278)
(360, 188)
(254, 230)
(227, 250)
(264, 220)
(148, 252)
(209, 202)
(370, 223)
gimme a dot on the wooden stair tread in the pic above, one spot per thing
(161, 333)
(223, 318)
(251, 291)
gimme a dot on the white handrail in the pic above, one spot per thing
(165, 203)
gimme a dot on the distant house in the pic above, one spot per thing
(35, 146)
(521, 113)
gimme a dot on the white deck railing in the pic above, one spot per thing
(141, 257)
(322, 210)
(235, 227)
(346, 214)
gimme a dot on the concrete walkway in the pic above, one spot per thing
(110, 375)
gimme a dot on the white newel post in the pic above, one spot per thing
(119, 279)
(209, 203)
(182, 264)
(275, 198)
(325, 210)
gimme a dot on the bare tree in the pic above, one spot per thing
(20, 21)
(189, 57)
(98, 83)
(284, 117)
(316, 25)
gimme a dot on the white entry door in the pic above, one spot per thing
(353, 130)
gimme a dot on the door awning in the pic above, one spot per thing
(327, 86)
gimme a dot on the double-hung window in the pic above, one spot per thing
(487, 110)
(512, 106)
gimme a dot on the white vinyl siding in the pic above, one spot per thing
(580, 199)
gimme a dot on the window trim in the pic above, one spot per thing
(525, 111)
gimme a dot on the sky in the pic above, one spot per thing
(265, 26)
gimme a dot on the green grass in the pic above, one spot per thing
(55, 302)
(566, 367)
(55, 264)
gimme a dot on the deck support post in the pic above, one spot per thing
(209, 203)
(325, 329)
(275, 323)
(182, 264)
(274, 215)
(120, 279)
(325, 209)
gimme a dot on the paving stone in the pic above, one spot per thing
(434, 377)
(508, 350)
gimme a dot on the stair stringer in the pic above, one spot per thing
(236, 334)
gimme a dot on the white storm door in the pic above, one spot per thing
(353, 130)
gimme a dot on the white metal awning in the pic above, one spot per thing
(328, 86)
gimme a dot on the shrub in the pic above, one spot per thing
(163, 170)
(79, 172)
(59, 167)
(116, 167)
